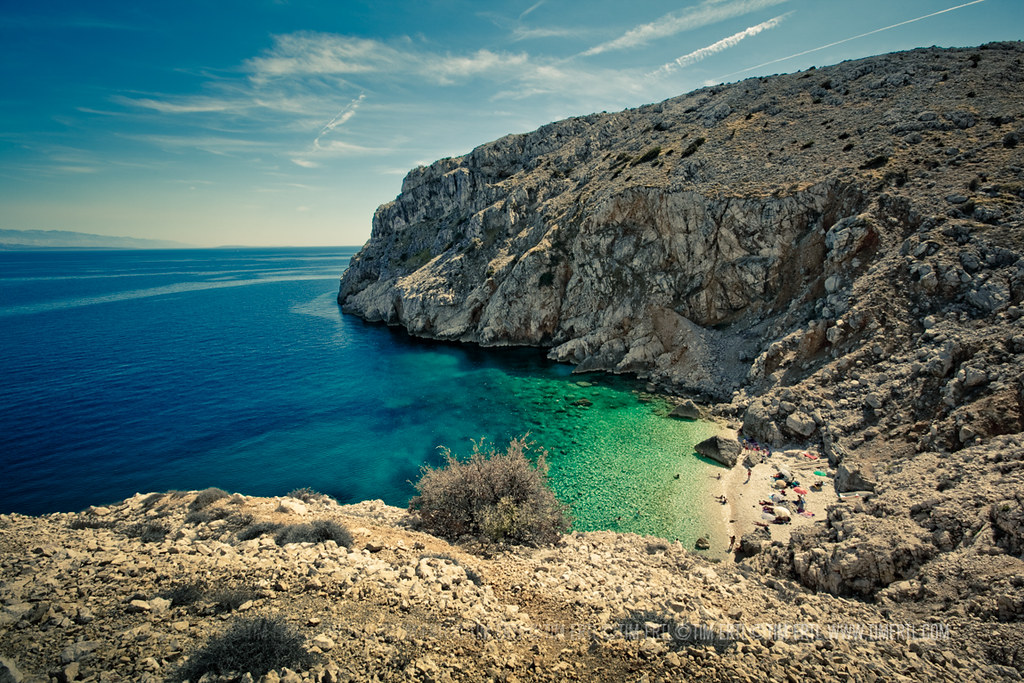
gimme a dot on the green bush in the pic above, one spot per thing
(256, 645)
(207, 496)
(501, 497)
(316, 532)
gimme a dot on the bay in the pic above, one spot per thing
(126, 371)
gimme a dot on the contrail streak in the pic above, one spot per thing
(846, 40)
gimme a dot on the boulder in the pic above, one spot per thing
(687, 410)
(720, 449)
(801, 424)
(852, 478)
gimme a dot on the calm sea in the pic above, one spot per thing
(126, 371)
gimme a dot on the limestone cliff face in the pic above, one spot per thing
(681, 240)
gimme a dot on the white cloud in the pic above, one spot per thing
(305, 163)
(719, 46)
(707, 13)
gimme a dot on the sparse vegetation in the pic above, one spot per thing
(500, 496)
(649, 155)
(254, 645)
(308, 495)
(692, 147)
(148, 532)
(91, 523)
(230, 599)
(206, 497)
(315, 532)
(258, 529)
(875, 162)
(185, 594)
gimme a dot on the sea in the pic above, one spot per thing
(157, 370)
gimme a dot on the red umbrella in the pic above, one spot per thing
(801, 491)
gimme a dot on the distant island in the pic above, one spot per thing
(12, 240)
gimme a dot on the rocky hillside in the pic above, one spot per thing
(833, 257)
(683, 241)
(139, 590)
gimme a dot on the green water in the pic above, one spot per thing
(615, 462)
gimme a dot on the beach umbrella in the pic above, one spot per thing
(820, 473)
(779, 484)
(786, 474)
(782, 512)
(767, 516)
(801, 491)
(776, 498)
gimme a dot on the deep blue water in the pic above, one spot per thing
(126, 371)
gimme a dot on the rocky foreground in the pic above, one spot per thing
(131, 591)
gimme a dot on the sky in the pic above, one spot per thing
(287, 122)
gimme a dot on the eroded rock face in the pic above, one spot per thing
(713, 240)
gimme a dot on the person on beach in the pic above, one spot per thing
(749, 472)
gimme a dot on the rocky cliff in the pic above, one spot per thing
(685, 241)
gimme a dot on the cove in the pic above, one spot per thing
(160, 370)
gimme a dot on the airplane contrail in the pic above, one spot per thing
(846, 40)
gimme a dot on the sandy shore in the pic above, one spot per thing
(742, 513)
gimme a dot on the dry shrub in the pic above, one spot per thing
(317, 531)
(500, 496)
(207, 496)
(255, 646)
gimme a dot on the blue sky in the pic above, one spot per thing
(287, 122)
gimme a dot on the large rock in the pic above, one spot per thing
(800, 424)
(852, 478)
(687, 410)
(720, 449)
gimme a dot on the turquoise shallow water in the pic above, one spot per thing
(157, 370)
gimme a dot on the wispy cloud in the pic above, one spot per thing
(185, 106)
(308, 54)
(707, 13)
(344, 115)
(719, 46)
(846, 40)
(524, 33)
